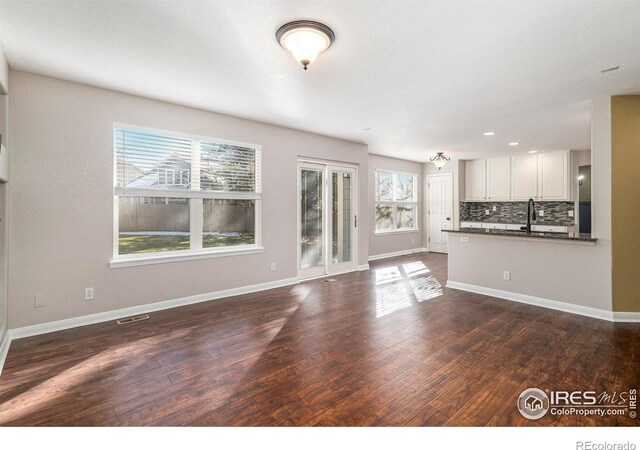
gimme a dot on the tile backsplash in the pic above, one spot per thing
(555, 213)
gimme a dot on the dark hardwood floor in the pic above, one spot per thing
(388, 346)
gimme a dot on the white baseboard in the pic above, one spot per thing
(4, 349)
(546, 303)
(65, 324)
(394, 254)
(626, 316)
(362, 267)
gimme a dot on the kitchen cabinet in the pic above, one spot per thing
(543, 177)
(499, 179)
(475, 180)
(524, 177)
(553, 176)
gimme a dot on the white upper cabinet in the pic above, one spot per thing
(499, 179)
(524, 177)
(475, 175)
(539, 176)
(553, 176)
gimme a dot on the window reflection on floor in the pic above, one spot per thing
(404, 285)
(387, 275)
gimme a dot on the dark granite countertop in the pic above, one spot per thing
(534, 234)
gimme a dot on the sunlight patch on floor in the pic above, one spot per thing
(404, 285)
(387, 275)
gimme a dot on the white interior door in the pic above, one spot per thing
(439, 210)
(327, 213)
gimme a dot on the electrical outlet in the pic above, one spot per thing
(273, 267)
(413, 240)
(486, 212)
(88, 294)
(464, 238)
(495, 208)
(571, 213)
(506, 275)
(541, 213)
(39, 301)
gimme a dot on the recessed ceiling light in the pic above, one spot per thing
(489, 133)
(533, 151)
(610, 69)
(367, 129)
(514, 143)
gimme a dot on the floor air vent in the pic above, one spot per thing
(329, 280)
(132, 319)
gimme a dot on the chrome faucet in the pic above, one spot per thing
(531, 214)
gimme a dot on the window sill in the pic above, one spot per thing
(401, 231)
(117, 263)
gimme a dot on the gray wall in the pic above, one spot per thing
(4, 72)
(61, 242)
(380, 244)
(4, 129)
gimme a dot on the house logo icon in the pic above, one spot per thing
(533, 403)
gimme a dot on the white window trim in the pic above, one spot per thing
(143, 259)
(196, 251)
(395, 203)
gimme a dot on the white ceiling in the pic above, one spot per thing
(425, 76)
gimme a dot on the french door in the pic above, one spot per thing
(327, 217)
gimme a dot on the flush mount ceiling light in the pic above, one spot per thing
(439, 160)
(305, 39)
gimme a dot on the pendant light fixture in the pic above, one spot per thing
(439, 160)
(305, 39)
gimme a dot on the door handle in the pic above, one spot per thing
(448, 218)
(355, 221)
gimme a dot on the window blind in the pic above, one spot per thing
(151, 161)
(158, 164)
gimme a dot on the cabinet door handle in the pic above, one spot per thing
(355, 221)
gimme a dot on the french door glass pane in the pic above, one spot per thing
(341, 216)
(153, 224)
(311, 254)
(228, 222)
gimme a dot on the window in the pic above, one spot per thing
(396, 202)
(178, 196)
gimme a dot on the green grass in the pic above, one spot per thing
(224, 241)
(129, 244)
